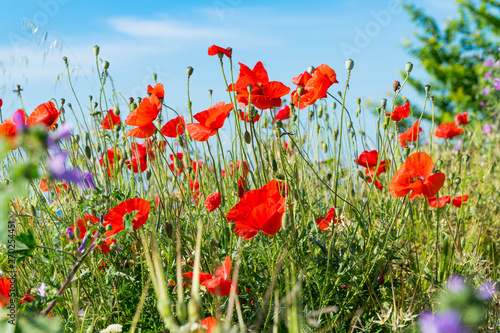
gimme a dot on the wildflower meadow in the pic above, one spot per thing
(122, 214)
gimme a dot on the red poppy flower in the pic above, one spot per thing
(241, 187)
(142, 132)
(400, 112)
(243, 165)
(158, 90)
(246, 117)
(217, 284)
(8, 129)
(45, 114)
(180, 166)
(4, 291)
(209, 121)
(410, 135)
(434, 202)
(462, 119)
(315, 86)
(457, 201)
(174, 127)
(260, 209)
(374, 172)
(81, 224)
(214, 49)
(414, 176)
(27, 298)
(1, 102)
(195, 188)
(448, 130)
(143, 150)
(143, 117)
(115, 216)
(111, 159)
(367, 159)
(325, 222)
(213, 201)
(209, 323)
(264, 94)
(110, 121)
(283, 114)
(44, 186)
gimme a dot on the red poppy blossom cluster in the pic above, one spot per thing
(369, 160)
(442, 201)
(144, 115)
(415, 176)
(217, 284)
(410, 135)
(314, 86)
(81, 225)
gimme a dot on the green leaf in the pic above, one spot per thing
(27, 238)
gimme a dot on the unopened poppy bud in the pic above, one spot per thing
(358, 111)
(408, 67)
(383, 102)
(169, 229)
(407, 152)
(318, 128)
(88, 152)
(96, 105)
(405, 100)
(247, 137)
(210, 91)
(300, 91)
(105, 65)
(466, 158)
(396, 85)
(439, 163)
(457, 180)
(349, 64)
(427, 88)
(320, 112)
(310, 70)
(386, 121)
(133, 106)
(285, 220)
(339, 93)
(148, 174)
(360, 174)
(139, 100)
(329, 177)
(334, 105)
(274, 165)
(379, 110)
(249, 88)
(279, 124)
(109, 227)
(323, 146)
(155, 77)
(280, 176)
(294, 118)
(65, 59)
(336, 134)
(349, 125)
(451, 176)
(69, 105)
(326, 116)
(116, 111)
(189, 71)
(358, 101)
(311, 114)
(431, 98)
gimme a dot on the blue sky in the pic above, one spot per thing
(167, 36)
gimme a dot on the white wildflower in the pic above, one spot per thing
(114, 328)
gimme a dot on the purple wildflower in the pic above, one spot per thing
(62, 133)
(41, 290)
(459, 144)
(118, 249)
(456, 284)
(486, 91)
(20, 120)
(90, 181)
(81, 249)
(496, 85)
(489, 62)
(487, 290)
(487, 76)
(70, 233)
(482, 104)
(487, 129)
(445, 322)
(57, 168)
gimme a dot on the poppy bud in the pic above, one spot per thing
(320, 112)
(133, 106)
(148, 174)
(431, 98)
(324, 147)
(339, 93)
(379, 110)
(360, 174)
(88, 152)
(318, 128)
(386, 121)
(65, 59)
(358, 112)
(383, 102)
(249, 88)
(349, 64)
(367, 178)
(169, 229)
(336, 134)
(407, 152)
(280, 176)
(329, 177)
(105, 65)
(274, 165)
(408, 67)
(404, 99)
(76, 138)
(69, 105)
(294, 118)
(466, 158)
(155, 77)
(310, 70)
(334, 105)
(427, 88)
(396, 85)
(349, 125)
(457, 180)
(139, 100)
(248, 138)
(285, 220)
(279, 124)
(189, 71)
(439, 163)
(451, 176)
(210, 91)
(326, 117)
(33, 210)
(109, 227)
(300, 91)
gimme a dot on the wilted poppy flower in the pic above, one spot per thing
(400, 112)
(209, 323)
(264, 94)
(246, 117)
(116, 215)
(214, 49)
(157, 90)
(174, 127)
(213, 201)
(110, 160)
(217, 284)
(209, 121)
(410, 135)
(143, 117)
(27, 298)
(414, 176)
(462, 119)
(367, 159)
(448, 130)
(45, 114)
(457, 201)
(4, 291)
(282, 114)
(434, 202)
(325, 222)
(315, 85)
(260, 209)
(111, 120)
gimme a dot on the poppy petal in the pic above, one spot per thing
(142, 132)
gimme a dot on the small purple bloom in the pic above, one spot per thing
(487, 129)
(57, 168)
(90, 181)
(482, 104)
(459, 144)
(41, 290)
(489, 62)
(71, 234)
(445, 322)
(81, 249)
(62, 133)
(456, 284)
(20, 120)
(118, 249)
(487, 290)
(497, 63)
(496, 85)
(487, 76)
(486, 91)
